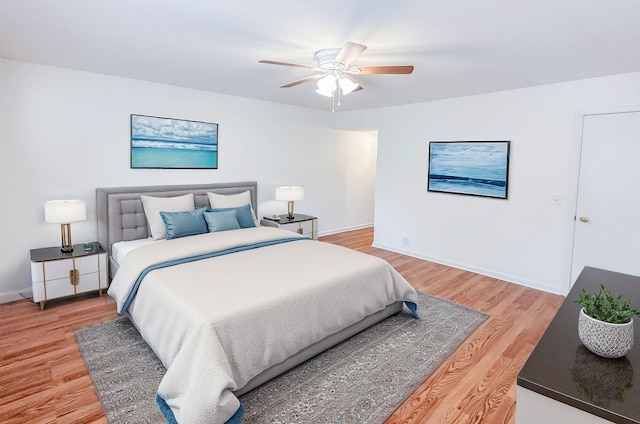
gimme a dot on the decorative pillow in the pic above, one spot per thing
(218, 201)
(182, 224)
(221, 221)
(154, 205)
(243, 215)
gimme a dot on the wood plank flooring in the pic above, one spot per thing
(43, 378)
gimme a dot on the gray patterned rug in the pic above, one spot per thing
(362, 380)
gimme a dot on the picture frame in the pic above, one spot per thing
(476, 168)
(169, 143)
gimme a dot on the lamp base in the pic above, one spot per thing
(290, 215)
(65, 231)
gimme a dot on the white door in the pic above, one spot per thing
(607, 229)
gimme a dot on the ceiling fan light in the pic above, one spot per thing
(347, 85)
(327, 84)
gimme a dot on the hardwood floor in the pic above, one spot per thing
(43, 378)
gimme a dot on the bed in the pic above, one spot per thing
(226, 311)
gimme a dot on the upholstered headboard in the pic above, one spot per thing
(121, 215)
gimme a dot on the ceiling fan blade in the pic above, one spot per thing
(349, 52)
(386, 70)
(273, 62)
(301, 81)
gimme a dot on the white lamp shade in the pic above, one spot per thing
(327, 83)
(289, 193)
(64, 211)
(347, 85)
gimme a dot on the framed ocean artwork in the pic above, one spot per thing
(169, 143)
(477, 168)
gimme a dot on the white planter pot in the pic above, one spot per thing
(605, 339)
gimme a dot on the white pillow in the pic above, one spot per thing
(232, 201)
(154, 205)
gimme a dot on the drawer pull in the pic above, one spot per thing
(74, 277)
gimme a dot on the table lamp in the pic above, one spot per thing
(64, 212)
(290, 194)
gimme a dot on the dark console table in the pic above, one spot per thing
(562, 379)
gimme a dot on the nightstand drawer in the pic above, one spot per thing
(52, 270)
(91, 282)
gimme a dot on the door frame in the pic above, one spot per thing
(576, 155)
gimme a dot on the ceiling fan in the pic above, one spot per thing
(335, 70)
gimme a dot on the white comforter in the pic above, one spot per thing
(218, 322)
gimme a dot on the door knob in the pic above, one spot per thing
(584, 219)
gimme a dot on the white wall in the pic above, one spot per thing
(64, 133)
(524, 239)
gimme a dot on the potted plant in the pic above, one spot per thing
(605, 324)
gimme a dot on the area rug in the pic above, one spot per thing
(361, 380)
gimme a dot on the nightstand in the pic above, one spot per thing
(56, 274)
(301, 224)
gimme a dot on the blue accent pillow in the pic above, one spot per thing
(243, 215)
(221, 221)
(186, 223)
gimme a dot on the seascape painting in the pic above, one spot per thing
(479, 168)
(173, 143)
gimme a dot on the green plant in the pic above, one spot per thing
(605, 307)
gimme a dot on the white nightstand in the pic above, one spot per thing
(56, 274)
(301, 224)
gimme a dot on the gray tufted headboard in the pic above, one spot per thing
(121, 215)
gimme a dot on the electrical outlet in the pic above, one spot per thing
(405, 241)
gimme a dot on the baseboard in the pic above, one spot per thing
(16, 295)
(344, 229)
(478, 270)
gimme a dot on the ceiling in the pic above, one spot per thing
(458, 47)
